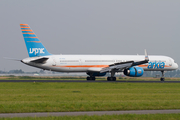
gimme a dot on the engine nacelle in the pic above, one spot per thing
(134, 72)
(96, 74)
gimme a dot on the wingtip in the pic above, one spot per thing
(146, 55)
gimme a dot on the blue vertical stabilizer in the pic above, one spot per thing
(34, 46)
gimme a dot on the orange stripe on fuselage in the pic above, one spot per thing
(98, 66)
(153, 66)
(142, 65)
(83, 66)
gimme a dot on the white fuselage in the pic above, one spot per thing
(94, 63)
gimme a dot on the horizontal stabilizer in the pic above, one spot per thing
(12, 59)
(41, 60)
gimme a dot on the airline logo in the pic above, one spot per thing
(36, 50)
(156, 65)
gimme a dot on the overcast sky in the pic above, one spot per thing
(90, 27)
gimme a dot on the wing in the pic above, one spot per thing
(117, 66)
(124, 65)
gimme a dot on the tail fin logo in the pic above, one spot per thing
(33, 44)
(36, 50)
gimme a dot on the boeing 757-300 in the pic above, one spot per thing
(93, 65)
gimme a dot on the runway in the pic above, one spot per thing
(89, 81)
(45, 114)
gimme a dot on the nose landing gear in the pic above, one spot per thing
(162, 78)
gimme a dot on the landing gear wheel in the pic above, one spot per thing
(111, 78)
(90, 78)
(108, 79)
(162, 79)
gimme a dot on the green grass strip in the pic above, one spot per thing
(57, 97)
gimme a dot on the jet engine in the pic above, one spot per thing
(134, 72)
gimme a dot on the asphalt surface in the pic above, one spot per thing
(88, 81)
(45, 114)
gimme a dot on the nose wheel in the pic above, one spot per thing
(162, 78)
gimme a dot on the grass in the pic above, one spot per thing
(56, 97)
(105, 117)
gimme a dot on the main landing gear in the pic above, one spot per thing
(112, 78)
(91, 78)
(162, 78)
(108, 78)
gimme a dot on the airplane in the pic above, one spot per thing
(93, 65)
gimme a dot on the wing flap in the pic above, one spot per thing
(117, 66)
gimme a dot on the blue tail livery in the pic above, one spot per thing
(34, 46)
